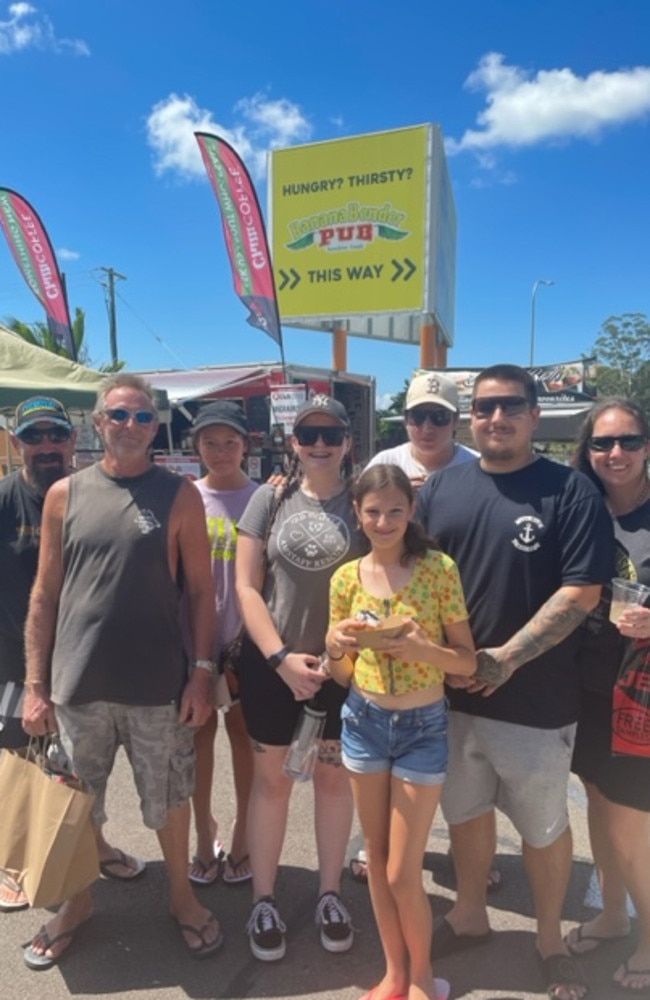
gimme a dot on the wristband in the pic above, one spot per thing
(276, 659)
(335, 658)
(208, 665)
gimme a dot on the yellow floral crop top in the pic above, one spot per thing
(433, 597)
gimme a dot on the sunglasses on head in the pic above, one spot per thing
(510, 406)
(34, 435)
(120, 415)
(332, 437)
(438, 415)
(628, 442)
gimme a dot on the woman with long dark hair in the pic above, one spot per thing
(613, 449)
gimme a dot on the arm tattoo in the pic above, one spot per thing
(556, 619)
(489, 671)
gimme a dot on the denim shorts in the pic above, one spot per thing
(411, 743)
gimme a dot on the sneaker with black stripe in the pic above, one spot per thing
(336, 930)
(266, 931)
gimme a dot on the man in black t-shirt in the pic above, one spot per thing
(533, 543)
(45, 440)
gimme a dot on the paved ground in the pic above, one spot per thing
(131, 949)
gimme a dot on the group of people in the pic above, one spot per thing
(496, 564)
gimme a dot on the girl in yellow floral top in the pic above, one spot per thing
(395, 719)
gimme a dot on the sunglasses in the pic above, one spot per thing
(510, 406)
(628, 442)
(119, 415)
(439, 417)
(332, 437)
(56, 435)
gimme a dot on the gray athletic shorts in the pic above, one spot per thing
(522, 771)
(160, 751)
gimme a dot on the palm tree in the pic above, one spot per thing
(39, 335)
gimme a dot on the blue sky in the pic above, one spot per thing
(544, 105)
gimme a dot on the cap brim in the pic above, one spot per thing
(57, 421)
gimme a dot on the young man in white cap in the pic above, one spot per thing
(431, 418)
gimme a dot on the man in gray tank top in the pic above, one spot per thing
(105, 659)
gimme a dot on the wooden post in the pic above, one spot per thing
(432, 354)
(339, 349)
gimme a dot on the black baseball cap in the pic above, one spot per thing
(41, 408)
(221, 411)
(322, 404)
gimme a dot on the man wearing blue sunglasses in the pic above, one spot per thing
(106, 661)
(44, 438)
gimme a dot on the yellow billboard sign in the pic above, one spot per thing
(349, 225)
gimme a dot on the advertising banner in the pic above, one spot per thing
(244, 233)
(566, 384)
(350, 224)
(33, 253)
(285, 401)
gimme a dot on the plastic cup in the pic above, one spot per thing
(624, 594)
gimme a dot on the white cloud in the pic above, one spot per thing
(27, 28)
(65, 254)
(264, 125)
(525, 109)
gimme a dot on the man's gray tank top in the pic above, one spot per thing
(118, 636)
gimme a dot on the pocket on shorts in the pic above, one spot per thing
(348, 715)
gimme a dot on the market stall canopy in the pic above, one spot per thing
(26, 370)
(182, 386)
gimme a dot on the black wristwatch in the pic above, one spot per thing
(277, 658)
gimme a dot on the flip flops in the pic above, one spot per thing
(9, 886)
(107, 868)
(41, 962)
(562, 972)
(638, 991)
(204, 874)
(447, 942)
(236, 872)
(205, 947)
(592, 942)
(359, 867)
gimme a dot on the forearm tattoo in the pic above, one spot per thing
(556, 619)
(490, 671)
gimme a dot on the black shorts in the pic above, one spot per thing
(270, 709)
(622, 780)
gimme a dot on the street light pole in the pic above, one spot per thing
(540, 281)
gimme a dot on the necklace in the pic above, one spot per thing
(628, 508)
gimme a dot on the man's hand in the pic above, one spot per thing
(38, 711)
(492, 670)
(196, 702)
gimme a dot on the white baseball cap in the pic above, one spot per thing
(434, 388)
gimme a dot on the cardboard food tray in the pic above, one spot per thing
(371, 638)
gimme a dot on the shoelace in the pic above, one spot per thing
(332, 910)
(264, 918)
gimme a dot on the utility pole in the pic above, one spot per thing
(112, 276)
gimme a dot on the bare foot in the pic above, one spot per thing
(194, 919)
(12, 896)
(594, 934)
(54, 937)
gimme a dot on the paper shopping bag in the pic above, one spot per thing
(46, 837)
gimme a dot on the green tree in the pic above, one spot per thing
(623, 353)
(390, 432)
(39, 335)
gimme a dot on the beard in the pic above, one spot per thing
(45, 470)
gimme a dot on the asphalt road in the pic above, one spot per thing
(132, 949)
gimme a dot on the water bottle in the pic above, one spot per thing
(301, 756)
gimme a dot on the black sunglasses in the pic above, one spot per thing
(510, 406)
(119, 415)
(438, 416)
(332, 437)
(33, 435)
(628, 442)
